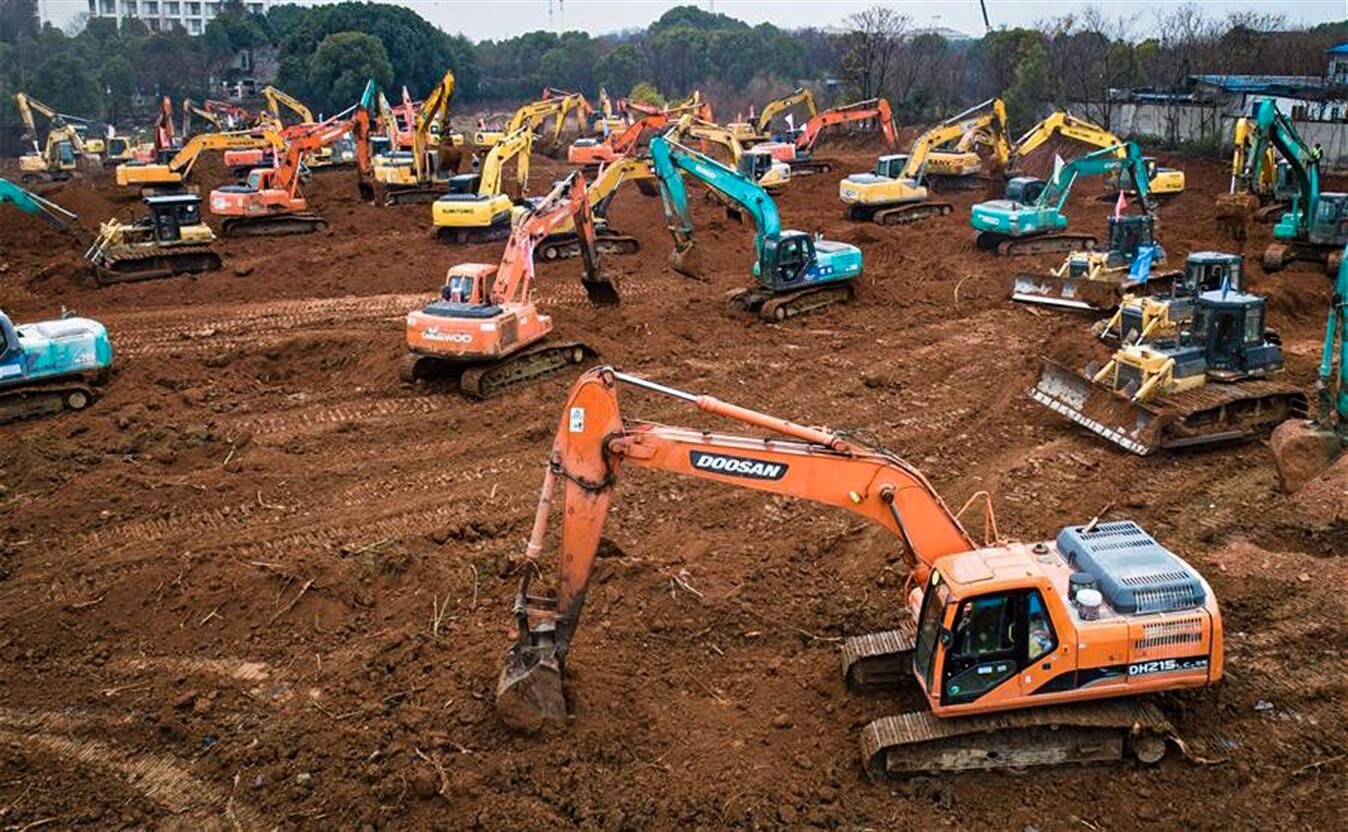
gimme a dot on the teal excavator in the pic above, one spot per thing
(31, 203)
(796, 272)
(1030, 220)
(1303, 448)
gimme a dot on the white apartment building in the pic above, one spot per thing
(161, 15)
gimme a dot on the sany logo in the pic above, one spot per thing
(737, 466)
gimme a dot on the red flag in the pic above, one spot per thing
(1120, 205)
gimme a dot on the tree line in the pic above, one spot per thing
(114, 70)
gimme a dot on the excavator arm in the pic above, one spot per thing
(1120, 158)
(516, 145)
(670, 160)
(877, 109)
(31, 203)
(183, 161)
(593, 442)
(1064, 124)
(190, 109)
(435, 107)
(690, 125)
(566, 202)
(800, 95)
(278, 98)
(989, 116)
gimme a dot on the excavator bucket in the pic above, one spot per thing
(529, 693)
(1234, 212)
(687, 261)
(601, 288)
(1131, 426)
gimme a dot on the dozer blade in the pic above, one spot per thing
(529, 693)
(1065, 292)
(1131, 426)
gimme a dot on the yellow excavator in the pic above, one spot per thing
(154, 178)
(897, 191)
(276, 99)
(760, 130)
(534, 114)
(1163, 181)
(769, 172)
(58, 157)
(419, 175)
(476, 209)
(190, 109)
(1252, 185)
(609, 120)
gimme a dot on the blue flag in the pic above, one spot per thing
(1141, 268)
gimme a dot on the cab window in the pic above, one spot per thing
(985, 627)
(1042, 639)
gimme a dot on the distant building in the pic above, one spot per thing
(162, 15)
(1336, 74)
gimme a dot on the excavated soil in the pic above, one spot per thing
(263, 584)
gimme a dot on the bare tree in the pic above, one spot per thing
(871, 47)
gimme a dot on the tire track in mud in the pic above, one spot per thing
(284, 425)
(158, 778)
(219, 328)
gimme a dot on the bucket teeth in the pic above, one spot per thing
(529, 692)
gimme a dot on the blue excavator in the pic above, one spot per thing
(796, 272)
(51, 366)
(31, 203)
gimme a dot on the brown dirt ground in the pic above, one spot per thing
(217, 585)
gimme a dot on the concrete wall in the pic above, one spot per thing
(1207, 123)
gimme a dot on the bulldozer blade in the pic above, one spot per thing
(529, 693)
(601, 289)
(1098, 409)
(1065, 292)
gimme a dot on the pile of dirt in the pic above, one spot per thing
(262, 583)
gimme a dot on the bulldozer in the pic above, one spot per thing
(172, 240)
(1142, 318)
(1020, 653)
(1099, 279)
(1215, 383)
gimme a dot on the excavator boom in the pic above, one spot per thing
(875, 109)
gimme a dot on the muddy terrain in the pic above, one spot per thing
(263, 584)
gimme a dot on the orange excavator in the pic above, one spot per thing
(486, 324)
(594, 152)
(270, 202)
(1024, 653)
(799, 154)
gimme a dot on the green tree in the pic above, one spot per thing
(342, 65)
(646, 93)
(66, 84)
(621, 68)
(1026, 93)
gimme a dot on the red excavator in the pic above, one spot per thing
(593, 152)
(1010, 644)
(797, 154)
(486, 324)
(270, 203)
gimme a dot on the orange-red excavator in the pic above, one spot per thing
(270, 202)
(798, 154)
(486, 324)
(593, 152)
(1010, 643)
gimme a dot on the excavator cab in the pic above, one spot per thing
(464, 183)
(1024, 189)
(1129, 233)
(1329, 226)
(786, 260)
(890, 167)
(1229, 327)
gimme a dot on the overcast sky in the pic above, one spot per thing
(483, 19)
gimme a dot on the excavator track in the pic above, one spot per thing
(905, 214)
(811, 167)
(1215, 412)
(876, 661)
(277, 225)
(32, 401)
(777, 307)
(488, 379)
(467, 236)
(1278, 256)
(1044, 244)
(566, 246)
(918, 742)
(412, 195)
(153, 263)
